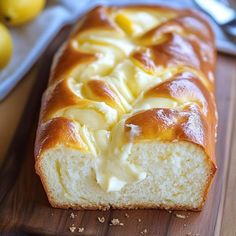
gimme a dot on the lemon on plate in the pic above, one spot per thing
(17, 12)
(6, 46)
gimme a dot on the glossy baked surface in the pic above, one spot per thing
(149, 59)
(131, 75)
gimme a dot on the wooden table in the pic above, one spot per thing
(12, 108)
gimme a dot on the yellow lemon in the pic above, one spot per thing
(5, 46)
(17, 12)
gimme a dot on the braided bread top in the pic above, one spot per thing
(127, 75)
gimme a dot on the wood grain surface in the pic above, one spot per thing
(24, 206)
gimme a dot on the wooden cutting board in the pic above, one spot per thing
(24, 206)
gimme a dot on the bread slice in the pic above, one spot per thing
(129, 118)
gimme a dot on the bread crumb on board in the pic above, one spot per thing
(139, 220)
(72, 215)
(72, 229)
(81, 230)
(192, 234)
(116, 222)
(101, 219)
(126, 215)
(180, 216)
(144, 232)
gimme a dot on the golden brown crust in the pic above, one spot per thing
(185, 41)
(125, 207)
(57, 131)
(52, 99)
(195, 123)
(182, 87)
(96, 19)
(100, 91)
(172, 125)
(67, 59)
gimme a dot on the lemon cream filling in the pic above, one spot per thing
(112, 167)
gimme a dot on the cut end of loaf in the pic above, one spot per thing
(178, 177)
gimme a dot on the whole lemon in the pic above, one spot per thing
(17, 12)
(6, 46)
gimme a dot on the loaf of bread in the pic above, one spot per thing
(129, 117)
